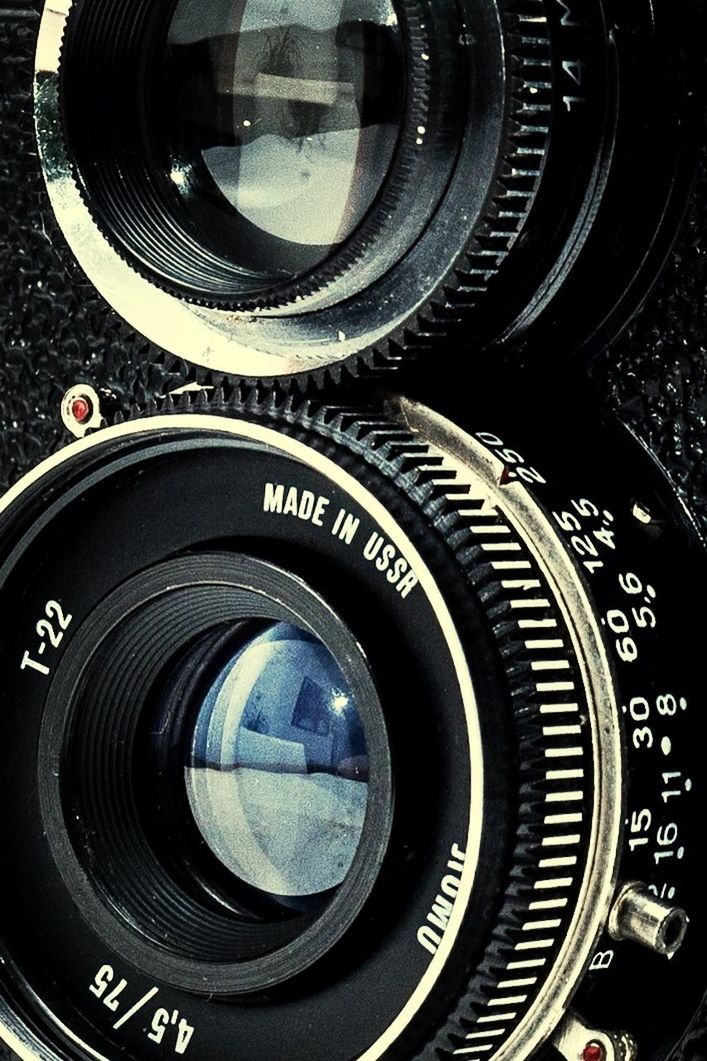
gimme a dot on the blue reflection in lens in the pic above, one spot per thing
(278, 773)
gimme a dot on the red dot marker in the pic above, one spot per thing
(81, 410)
(593, 1052)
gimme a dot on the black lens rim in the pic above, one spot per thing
(109, 875)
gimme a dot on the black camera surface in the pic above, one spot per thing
(353, 504)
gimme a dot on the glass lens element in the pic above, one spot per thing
(284, 118)
(278, 772)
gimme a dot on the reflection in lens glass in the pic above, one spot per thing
(278, 772)
(294, 109)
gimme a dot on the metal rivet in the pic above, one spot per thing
(81, 410)
(573, 1039)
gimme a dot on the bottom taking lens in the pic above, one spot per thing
(277, 770)
(307, 813)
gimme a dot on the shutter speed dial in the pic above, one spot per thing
(609, 540)
(531, 752)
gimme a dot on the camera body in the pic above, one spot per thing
(59, 337)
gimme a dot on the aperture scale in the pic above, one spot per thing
(628, 551)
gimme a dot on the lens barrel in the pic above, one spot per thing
(291, 195)
(449, 585)
(189, 865)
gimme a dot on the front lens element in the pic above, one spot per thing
(215, 797)
(283, 122)
(277, 775)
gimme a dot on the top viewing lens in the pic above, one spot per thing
(282, 122)
(272, 188)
